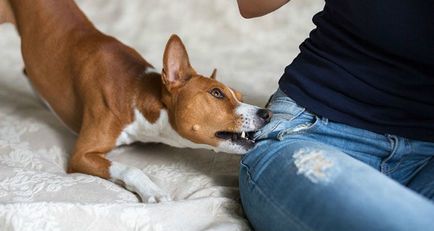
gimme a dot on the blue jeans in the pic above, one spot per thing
(309, 173)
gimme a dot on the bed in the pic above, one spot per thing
(35, 191)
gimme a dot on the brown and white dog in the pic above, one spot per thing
(105, 92)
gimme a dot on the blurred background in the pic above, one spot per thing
(250, 54)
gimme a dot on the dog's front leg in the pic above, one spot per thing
(94, 142)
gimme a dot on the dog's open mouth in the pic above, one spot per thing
(243, 138)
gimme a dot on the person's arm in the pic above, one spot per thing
(256, 8)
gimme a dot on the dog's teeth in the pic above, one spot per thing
(243, 135)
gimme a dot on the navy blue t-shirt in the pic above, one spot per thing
(369, 64)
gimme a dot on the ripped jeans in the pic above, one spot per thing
(308, 173)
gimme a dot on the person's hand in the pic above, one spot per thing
(256, 8)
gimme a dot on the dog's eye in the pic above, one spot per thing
(217, 93)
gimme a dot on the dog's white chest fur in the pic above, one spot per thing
(159, 132)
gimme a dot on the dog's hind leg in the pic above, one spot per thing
(40, 98)
(6, 13)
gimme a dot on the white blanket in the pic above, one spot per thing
(35, 191)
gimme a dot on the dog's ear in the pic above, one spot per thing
(176, 65)
(214, 74)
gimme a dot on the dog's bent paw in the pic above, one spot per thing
(155, 198)
(137, 181)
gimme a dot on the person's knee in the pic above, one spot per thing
(278, 174)
(261, 210)
(281, 191)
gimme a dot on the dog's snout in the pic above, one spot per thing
(264, 114)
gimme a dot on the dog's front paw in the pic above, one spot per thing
(137, 181)
(149, 193)
(155, 197)
(158, 198)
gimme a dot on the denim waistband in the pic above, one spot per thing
(283, 106)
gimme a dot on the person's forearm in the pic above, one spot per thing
(256, 8)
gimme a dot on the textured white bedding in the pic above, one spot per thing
(35, 191)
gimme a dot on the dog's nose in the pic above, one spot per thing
(264, 114)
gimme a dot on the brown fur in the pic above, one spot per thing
(6, 14)
(93, 82)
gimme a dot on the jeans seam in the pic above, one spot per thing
(297, 222)
(415, 172)
(397, 165)
(312, 126)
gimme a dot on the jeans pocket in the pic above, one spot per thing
(305, 123)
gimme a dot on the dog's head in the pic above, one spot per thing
(203, 110)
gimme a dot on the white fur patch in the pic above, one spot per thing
(231, 147)
(137, 181)
(159, 132)
(248, 116)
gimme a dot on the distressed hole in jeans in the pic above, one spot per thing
(313, 164)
